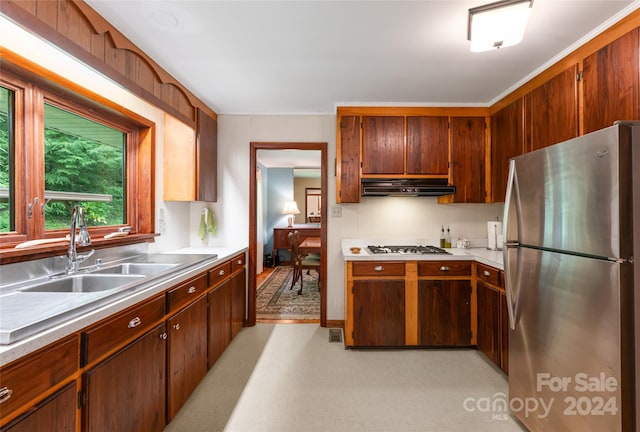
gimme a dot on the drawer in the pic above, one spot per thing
(185, 293)
(115, 331)
(218, 274)
(444, 268)
(32, 375)
(490, 275)
(238, 262)
(378, 268)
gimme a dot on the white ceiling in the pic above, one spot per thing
(292, 159)
(307, 57)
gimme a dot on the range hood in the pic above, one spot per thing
(406, 187)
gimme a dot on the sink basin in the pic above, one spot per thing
(145, 269)
(83, 283)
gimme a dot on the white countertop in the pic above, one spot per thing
(11, 352)
(481, 254)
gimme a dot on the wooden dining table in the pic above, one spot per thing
(310, 245)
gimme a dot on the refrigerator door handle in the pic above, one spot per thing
(511, 234)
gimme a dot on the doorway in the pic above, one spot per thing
(253, 221)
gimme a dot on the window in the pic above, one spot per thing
(7, 203)
(59, 148)
(84, 161)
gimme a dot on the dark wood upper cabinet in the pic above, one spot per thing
(427, 145)
(348, 181)
(468, 159)
(382, 145)
(552, 111)
(610, 83)
(507, 141)
(206, 158)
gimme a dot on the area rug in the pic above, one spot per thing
(274, 299)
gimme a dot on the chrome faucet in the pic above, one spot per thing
(77, 218)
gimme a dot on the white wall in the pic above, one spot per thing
(372, 218)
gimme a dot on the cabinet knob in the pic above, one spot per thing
(378, 268)
(239, 262)
(221, 272)
(191, 290)
(445, 268)
(135, 322)
(5, 394)
(486, 273)
(163, 335)
(176, 326)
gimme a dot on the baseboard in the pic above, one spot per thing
(335, 324)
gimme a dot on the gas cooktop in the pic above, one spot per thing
(420, 250)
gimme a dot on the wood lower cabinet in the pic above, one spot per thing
(126, 392)
(378, 313)
(444, 312)
(56, 413)
(493, 318)
(23, 382)
(186, 354)
(238, 301)
(489, 321)
(219, 335)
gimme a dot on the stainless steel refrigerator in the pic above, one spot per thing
(572, 223)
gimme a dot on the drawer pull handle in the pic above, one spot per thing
(445, 268)
(135, 322)
(176, 326)
(191, 290)
(378, 268)
(239, 262)
(486, 273)
(5, 394)
(221, 272)
(163, 336)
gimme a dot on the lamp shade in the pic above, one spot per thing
(290, 208)
(498, 25)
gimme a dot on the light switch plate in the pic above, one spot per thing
(336, 211)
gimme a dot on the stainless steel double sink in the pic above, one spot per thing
(30, 306)
(110, 278)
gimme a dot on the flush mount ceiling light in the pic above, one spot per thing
(498, 25)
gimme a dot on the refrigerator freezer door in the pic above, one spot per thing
(569, 196)
(564, 353)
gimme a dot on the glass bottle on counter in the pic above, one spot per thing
(447, 239)
(442, 237)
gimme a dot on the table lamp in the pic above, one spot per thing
(290, 208)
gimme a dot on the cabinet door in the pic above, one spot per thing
(219, 321)
(488, 322)
(207, 158)
(187, 353)
(552, 110)
(468, 159)
(179, 161)
(56, 413)
(382, 145)
(504, 334)
(348, 180)
(238, 296)
(127, 392)
(507, 141)
(378, 313)
(427, 145)
(444, 312)
(610, 83)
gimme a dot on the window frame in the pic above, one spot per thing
(31, 92)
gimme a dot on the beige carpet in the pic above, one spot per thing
(290, 378)
(275, 299)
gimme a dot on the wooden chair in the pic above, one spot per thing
(301, 262)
